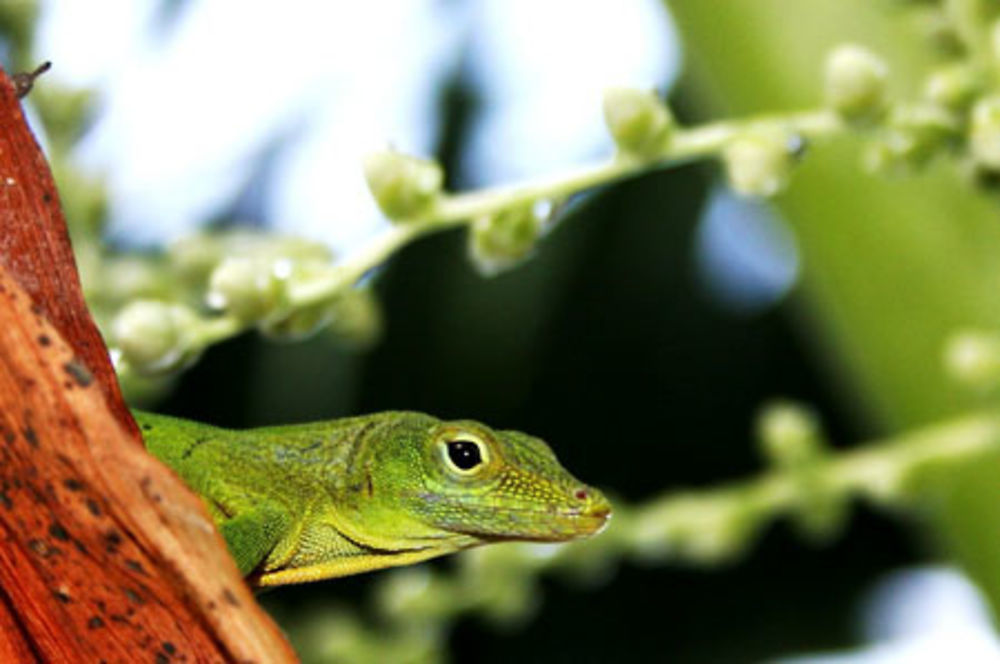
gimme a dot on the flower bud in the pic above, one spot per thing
(639, 121)
(954, 87)
(403, 186)
(974, 358)
(502, 241)
(245, 288)
(789, 435)
(154, 336)
(759, 162)
(855, 84)
(984, 133)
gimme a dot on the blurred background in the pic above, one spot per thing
(650, 326)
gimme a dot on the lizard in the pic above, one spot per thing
(307, 502)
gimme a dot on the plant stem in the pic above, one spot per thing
(460, 209)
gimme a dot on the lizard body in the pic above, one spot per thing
(306, 502)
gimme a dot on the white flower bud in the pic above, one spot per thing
(245, 288)
(403, 186)
(759, 163)
(154, 336)
(984, 133)
(638, 120)
(855, 84)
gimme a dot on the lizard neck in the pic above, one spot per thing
(320, 549)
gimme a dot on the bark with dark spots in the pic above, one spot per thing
(105, 554)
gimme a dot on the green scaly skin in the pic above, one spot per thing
(314, 501)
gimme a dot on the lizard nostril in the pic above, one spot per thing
(581, 494)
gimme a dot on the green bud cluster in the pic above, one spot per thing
(953, 116)
(250, 276)
(160, 308)
(194, 257)
(289, 288)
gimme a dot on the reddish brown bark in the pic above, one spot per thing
(104, 553)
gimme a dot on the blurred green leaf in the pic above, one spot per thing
(891, 267)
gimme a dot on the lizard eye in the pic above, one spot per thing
(464, 455)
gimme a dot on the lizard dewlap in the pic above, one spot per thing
(314, 501)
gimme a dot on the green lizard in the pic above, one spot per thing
(314, 501)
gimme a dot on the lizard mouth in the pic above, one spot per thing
(535, 525)
(590, 521)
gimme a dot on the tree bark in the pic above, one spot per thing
(105, 554)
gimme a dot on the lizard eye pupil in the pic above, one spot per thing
(465, 454)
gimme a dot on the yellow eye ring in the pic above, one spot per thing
(464, 455)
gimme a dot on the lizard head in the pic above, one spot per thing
(459, 484)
